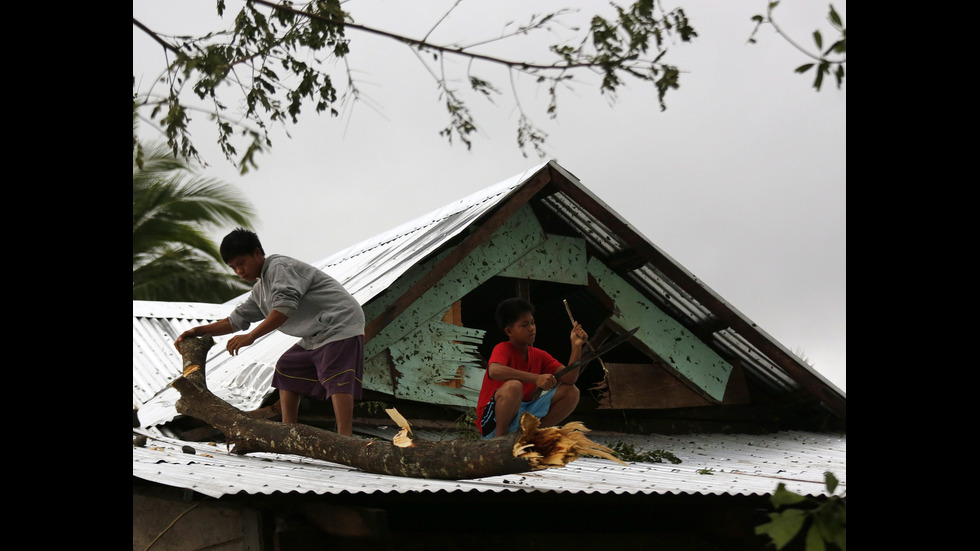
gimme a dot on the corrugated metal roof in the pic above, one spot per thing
(738, 464)
(242, 380)
(155, 327)
(710, 464)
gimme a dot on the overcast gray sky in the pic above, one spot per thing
(742, 179)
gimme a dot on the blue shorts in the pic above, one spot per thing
(537, 407)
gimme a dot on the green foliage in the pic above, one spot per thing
(618, 42)
(628, 452)
(466, 420)
(825, 522)
(706, 471)
(828, 61)
(465, 425)
(173, 259)
(275, 58)
(373, 407)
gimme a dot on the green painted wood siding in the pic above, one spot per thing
(559, 259)
(414, 377)
(669, 339)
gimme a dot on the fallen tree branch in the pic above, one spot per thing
(531, 448)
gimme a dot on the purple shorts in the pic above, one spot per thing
(336, 367)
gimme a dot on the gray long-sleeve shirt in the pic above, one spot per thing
(319, 308)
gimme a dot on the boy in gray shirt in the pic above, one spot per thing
(303, 301)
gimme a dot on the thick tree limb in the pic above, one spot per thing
(532, 448)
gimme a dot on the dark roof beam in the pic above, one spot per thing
(624, 261)
(708, 327)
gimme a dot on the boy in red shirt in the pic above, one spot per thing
(518, 371)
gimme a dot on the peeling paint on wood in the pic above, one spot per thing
(438, 352)
(687, 354)
(456, 381)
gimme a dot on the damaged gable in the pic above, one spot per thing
(420, 357)
(549, 239)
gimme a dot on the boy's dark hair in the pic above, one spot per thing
(509, 310)
(239, 242)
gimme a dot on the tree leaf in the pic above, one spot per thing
(831, 481)
(814, 540)
(782, 497)
(818, 81)
(783, 527)
(835, 18)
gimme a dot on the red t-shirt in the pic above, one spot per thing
(538, 361)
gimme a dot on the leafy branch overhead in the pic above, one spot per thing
(274, 61)
(825, 521)
(828, 61)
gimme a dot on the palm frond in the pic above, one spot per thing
(184, 275)
(174, 209)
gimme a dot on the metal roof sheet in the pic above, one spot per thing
(710, 464)
(242, 380)
(738, 464)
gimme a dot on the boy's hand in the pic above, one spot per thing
(192, 332)
(579, 337)
(239, 341)
(546, 381)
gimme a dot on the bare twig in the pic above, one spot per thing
(169, 526)
(444, 49)
(441, 19)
